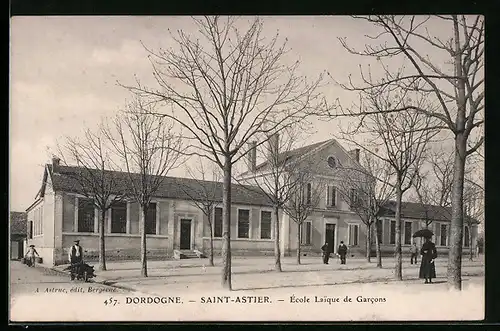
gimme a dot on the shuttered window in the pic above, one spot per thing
(265, 225)
(243, 223)
(353, 234)
(218, 222)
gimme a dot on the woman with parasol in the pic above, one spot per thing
(429, 253)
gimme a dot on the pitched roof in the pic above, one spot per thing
(290, 156)
(418, 211)
(18, 222)
(65, 179)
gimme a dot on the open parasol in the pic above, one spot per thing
(426, 233)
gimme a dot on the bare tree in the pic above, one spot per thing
(227, 87)
(305, 195)
(398, 138)
(433, 187)
(205, 195)
(442, 169)
(453, 77)
(149, 149)
(92, 176)
(276, 180)
(473, 211)
(474, 196)
(425, 196)
(366, 190)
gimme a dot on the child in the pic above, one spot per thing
(31, 255)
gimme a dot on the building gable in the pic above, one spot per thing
(319, 157)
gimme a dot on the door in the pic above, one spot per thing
(14, 250)
(330, 236)
(185, 242)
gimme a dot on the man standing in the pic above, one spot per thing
(326, 252)
(75, 258)
(413, 252)
(342, 251)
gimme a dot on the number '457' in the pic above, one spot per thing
(110, 302)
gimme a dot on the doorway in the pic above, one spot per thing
(330, 236)
(185, 242)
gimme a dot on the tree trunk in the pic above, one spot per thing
(144, 262)
(277, 252)
(377, 245)
(454, 273)
(299, 228)
(102, 246)
(471, 251)
(398, 267)
(211, 253)
(368, 242)
(226, 220)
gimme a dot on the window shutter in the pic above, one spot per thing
(30, 229)
(328, 195)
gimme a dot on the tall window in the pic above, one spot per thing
(354, 197)
(265, 225)
(306, 233)
(217, 222)
(30, 229)
(243, 223)
(308, 193)
(466, 236)
(41, 220)
(444, 235)
(331, 196)
(37, 222)
(353, 234)
(86, 215)
(119, 217)
(380, 232)
(151, 219)
(392, 233)
(408, 233)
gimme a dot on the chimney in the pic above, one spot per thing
(252, 156)
(55, 163)
(355, 154)
(274, 145)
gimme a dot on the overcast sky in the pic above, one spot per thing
(64, 72)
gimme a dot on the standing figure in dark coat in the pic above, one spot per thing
(427, 267)
(75, 258)
(326, 253)
(342, 251)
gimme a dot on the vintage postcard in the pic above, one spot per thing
(288, 168)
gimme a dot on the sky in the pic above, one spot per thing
(64, 73)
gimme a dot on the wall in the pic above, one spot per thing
(44, 243)
(118, 247)
(319, 220)
(48, 223)
(241, 246)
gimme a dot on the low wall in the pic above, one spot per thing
(241, 247)
(118, 247)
